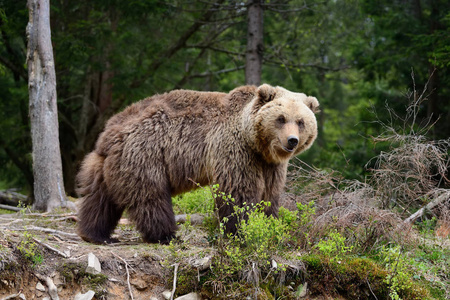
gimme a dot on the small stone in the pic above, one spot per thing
(139, 284)
(167, 294)
(94, 266)
(302, 290)
(22, 296)
(40, 287)
(190, 296)
(57, 280)
(86, 296)
(202, 264)
(274, 264)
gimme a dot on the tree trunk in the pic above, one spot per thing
(47, 168)
(255, 44)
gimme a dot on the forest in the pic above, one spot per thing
(370, 197)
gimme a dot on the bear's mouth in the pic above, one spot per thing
(287, 149)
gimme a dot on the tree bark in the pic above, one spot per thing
(47, 168)
(255, 44)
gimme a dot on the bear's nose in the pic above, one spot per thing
(292, 141)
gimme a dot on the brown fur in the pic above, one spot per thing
(158, 147)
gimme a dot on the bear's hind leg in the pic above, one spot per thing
(98, 216)
(155, 219)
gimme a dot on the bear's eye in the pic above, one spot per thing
(281, 120)
(301, 123)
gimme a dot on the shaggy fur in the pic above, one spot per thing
(159, 147)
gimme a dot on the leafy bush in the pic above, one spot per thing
(196, 201)
(30, 250)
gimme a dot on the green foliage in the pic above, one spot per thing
(333, 247)
(399, 277)
(30, 250)
(196, 201)
(259, 237)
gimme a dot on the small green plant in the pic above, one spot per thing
(399, 276)
(333, 247)
(258, 239)
(30, 250)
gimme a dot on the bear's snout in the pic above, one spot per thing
(292, 142)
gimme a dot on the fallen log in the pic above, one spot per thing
(9, 207)
(440, 199)
(11, 198)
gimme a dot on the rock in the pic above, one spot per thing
(139, 284)
(40, 287)
(167, 294)
(86, 296)
(202, 264)
(302, 290)
(190, 296)
(52, 289)
(274, 264)
(57, 280)
(94, 266)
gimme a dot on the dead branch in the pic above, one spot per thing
(175, 271)
(51, 248)
(52, 231)
(443, 197)
(13, 296)
(128, 273)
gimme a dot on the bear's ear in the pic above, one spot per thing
(312, 103)
(265, 94)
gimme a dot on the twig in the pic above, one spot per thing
(128, 273)
(370, 288)
(175, 271)
(48, 230)
(47, 214)
(51, 248)
(13, 296)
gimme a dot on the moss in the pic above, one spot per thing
(355, 278)
(187, 281)
(75, 273)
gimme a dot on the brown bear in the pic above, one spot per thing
(163, 145)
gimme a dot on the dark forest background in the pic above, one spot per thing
(362, 59)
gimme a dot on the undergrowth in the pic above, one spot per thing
(359, 240)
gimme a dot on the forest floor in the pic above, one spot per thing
(41, 254)
(36, 246)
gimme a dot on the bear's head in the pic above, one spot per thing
(283, 123)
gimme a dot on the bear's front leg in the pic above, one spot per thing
(234, 205)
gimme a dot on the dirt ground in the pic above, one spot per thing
(36, 246)
(42, 248)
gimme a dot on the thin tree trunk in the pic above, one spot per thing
(255, 44)
(47, 168)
